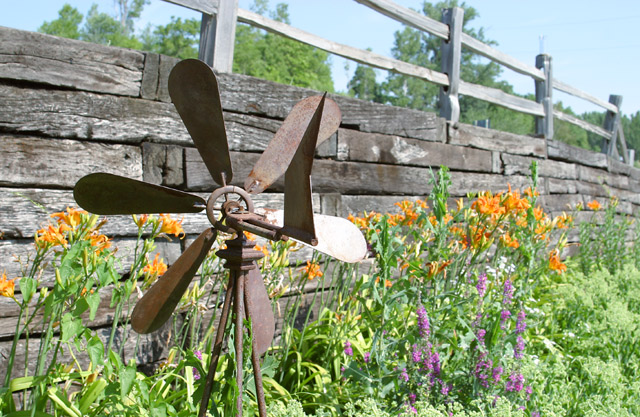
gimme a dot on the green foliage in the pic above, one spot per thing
(103, 28)
(275, 58)
(179, 38)
(67, 25)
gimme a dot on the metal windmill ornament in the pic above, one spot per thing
(194, 91)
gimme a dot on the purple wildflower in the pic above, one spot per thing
(521, 325)
(404, 375)
(423, 322)
(196, 374)
(481, 286)
(497, 374)
(518, 350)
(514, 383)
(446, 388)
(480, 335)
(416, 354)
(529, 391)
(347, 348)
(504, 316)
(535, 414)
(507, 293)
(412, 398)
(367, 357)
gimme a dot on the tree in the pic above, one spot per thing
(275, 58)
(363, 85)
(66, 25)
(179, 38)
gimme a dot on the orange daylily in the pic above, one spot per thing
(7, 286)
(155, 268)
(171, 226)
(72, 217)
(594, 205)
(554, 262)
(312, 270)
(52, 235)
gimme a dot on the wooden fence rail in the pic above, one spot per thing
(216, 48)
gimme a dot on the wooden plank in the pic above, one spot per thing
(560, 186)
(544, 96)
(50, 60)
(560, 202)
(253, 96)
(514, 164)
(564, 152)
(601, 176)
(355, 54)
(386, 149)
(559, 85)
(493, 140)
(203, 6)
(501, 58)
(581, 123)
(327, 176)
(499, 97)
(408, 17)
(150, 74)
(224, 35)
(27, 161)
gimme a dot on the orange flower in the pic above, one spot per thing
(538, 213)
(262, 249)
(563, 221)
(435, 267)
(99, 241)
(508, 241)
(52, 236)
(155, 268)
(530, 193)
(554, 262)
(488, 204)
(514, 203)
(312, 270)
(7, 286)
(170, 226)
(387, 283)
(140, 221)
(72, 217)
(362, 223)
(594, 205)
(249, 236)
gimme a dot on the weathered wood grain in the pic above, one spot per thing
(385, 149)
(50, 60)
(563, 152)
(560, 202)
(600, 176)
(29, 161)
(493, 140)
(515, 164)
(560, 186)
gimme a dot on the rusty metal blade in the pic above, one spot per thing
(276, 158)
(337, 237)
(258, 305)
(158, 303)
(193, 87)
(101, 193)
(298, 210)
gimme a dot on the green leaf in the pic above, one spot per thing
(127, 375)
(71, 327)
(93, 300)
(81, 306)
(27, 288)
(95, 389)
(95, 349)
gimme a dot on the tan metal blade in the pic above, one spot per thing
(158, 303)
(258, 305)
(101, 193)
(337, 237)
(193, 87)
(276, 158)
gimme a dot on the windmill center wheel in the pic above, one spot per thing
(241, 203)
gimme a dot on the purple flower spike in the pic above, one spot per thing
(423, 322)
(347, 348)
(481, 286)
(521, 325)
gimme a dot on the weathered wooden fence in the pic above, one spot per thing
(217, 43)
(69, 108)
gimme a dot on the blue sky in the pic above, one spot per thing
(595, 46)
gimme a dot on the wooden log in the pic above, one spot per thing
(150, 76)
(515, 164)
(499, 97)
(559, 85)
(560, 202)
(370, 147)
(50, 60)
(224, 35)
(408, 17)
(600, 176)
(563, 152)
(559, 186)
(28, 161)
(493, 140)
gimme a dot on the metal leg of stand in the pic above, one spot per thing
(238, 307)
(217, 347)
(255, 360)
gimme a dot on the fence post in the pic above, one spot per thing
(217, 36)
(451, 51)
(544, 95)
(611, 123)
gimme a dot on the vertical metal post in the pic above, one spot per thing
(611, 123)
(451, 55)
(544, 95)
(217, 36)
